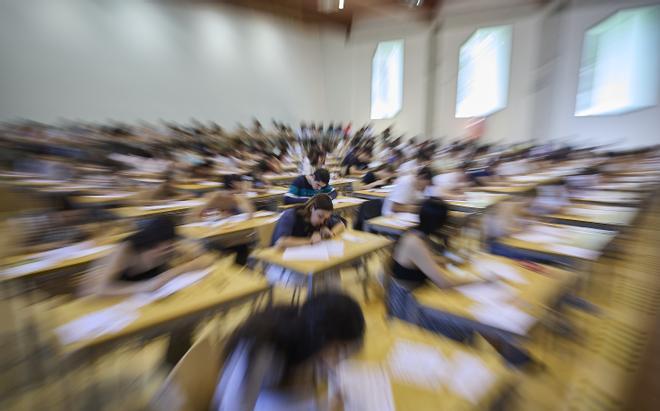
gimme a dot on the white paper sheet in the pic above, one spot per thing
(408, 217)
(276, 191)
(470, 377)
(180, 282)
(322, 251)
(209, 183)
(489, 293)
(306, 253)
(418, 364)
(399, 223)
(575, 251)
(106, 321)
(27, 268)
(260, 214)
(352, 238)
(174, 204)
(365, 387)
(348, 200)
(504, 316)
(495, 268)
(110, 196)
(532, 237)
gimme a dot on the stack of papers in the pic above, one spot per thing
(322, 251)
(504, 316)
(174, 204)
(575, 251)
(52, 257)
(365, 387)
(352, 238)
(418, 364)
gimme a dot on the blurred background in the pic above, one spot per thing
(113, 112)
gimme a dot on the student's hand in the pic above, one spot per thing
(316, 237)
(326, 233)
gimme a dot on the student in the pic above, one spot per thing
(381, 176)
(271, 361)
(224, 203)
(144, 262)
(307, 224)
(306, 186)
(414, 265)
(449, 185)
(550, 199)
(408, 192)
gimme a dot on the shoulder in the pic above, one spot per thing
(300, 180)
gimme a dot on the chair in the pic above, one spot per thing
(191, 384)
(368, 210)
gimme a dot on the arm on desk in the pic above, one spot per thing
(404, 208)
(418, 253)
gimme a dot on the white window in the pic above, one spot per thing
(387, 80)
(483, 72)
(619, 69)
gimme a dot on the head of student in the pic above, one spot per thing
(432, 216)
(328, 327)
(154, 242)
(233, 182)
(320, 178)
(424, 178)
(318, 209)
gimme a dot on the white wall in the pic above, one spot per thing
(349, 93)
(638, 128)
(512, 123)
(140, 59)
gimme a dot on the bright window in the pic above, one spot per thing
(387, 80)
(619, 69)
(483, 72)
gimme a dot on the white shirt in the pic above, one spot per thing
(408, 167)
(404, 192)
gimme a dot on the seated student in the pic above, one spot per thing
(423, 159)
(379, 177)
(449, 185)
(256, 178)
(308, 223)
(53, 228)
(202, 170)
(272, 361)
(306, 186)
(414, 265)
(165, 191)
(550, 198)
(224, 203)
(144, 262)
(408, 192)
(588, 178)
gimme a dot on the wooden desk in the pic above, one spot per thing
(393, 226)
(176, 207)
(372, 194)
(200, 187)
(575, 243)
(383, 336)
(533, 296)
(595, 216)
(102, 199)
(621, 198)
(344, 204)
(273, 194)
(226, 287)
(639, 187)
(354, 251)
(281, 179)
(477, 203)
(201, 231)
(343, 184)
(506, 189)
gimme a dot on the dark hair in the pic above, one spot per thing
(318, 202)
(230, 180)
(153, 233)
(432, 216)
(425, 173)
(322, 175)
(263, 166)
(300, 333)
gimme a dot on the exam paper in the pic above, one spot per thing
(348, 200)
(470, 377)
(489, 293)
(407, 217)
(574, 251)
(500, 270)
(364, 387)
(418, 364)
(320, 252)
(109, 320)
(352, 238)
(504, 316)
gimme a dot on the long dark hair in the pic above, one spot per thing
(432, 216)
(153, 233)
(300, 333)
(318, 202)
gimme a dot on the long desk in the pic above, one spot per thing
(394, 226)
(280, 179)
(341, 203)
(595, 216)
(372, 194)
(227, 227)
(506, 189)
(357, 245)
(524, 290)
(176, 207)
(226, 287)
(482, 370)
(621, 198)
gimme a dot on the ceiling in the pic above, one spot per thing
(327, 11)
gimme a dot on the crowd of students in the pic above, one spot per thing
(270, 360)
